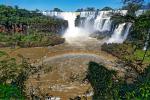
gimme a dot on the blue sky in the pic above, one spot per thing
(66, 5)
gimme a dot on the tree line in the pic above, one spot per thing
(24, 28)
(15, 19)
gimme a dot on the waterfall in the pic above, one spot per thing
(120, 33)
(117, 34)
(73, 34)
(103, 22)
(107, 25)
(93, 22)
(126, 31)
(98, 23)
(88, 22)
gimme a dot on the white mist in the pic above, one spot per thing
(74, 34)
(118, 35)
(94, 22)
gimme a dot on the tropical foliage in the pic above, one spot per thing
(9, 72)
(8, 92)
(30, 40)
(20, 27)
(21, 20)
(13, 75)
(106, 88)
(140, 32)
(101, 81)
(107, 8)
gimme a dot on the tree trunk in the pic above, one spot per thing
(148, 40)
(136, 46)
(144, 54)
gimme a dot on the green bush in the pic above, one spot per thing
(106, 89)
(30, 40)
(101, 80)
(9, 92)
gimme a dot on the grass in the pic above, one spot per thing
(9, 92)
(139, 55)
(125, 52)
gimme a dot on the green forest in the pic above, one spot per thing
(20, 27)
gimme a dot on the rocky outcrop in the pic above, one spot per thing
(46, 27)
(13, 28)
(57, 27)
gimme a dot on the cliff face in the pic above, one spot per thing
(13, 28)
(38, 27)
(49, 27)
(16, 20)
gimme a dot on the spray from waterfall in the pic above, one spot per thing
(88, 23)
(107, 25)
(74, 34)
(120, 33)
(98, 23)
(93, 22)
(127, 31)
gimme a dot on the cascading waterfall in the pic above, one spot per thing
(127, 31)
(94, 22)
(73, 34)
(88, 24)
(107, 25)
(98, 23)
(102, 21)
(120, 33)
(117, 35)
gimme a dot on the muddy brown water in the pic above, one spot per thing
(65, 65)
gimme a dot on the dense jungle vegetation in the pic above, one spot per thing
(134, 53)
(135, 50)
(13, 76)
(107, 88)
(25, 28)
